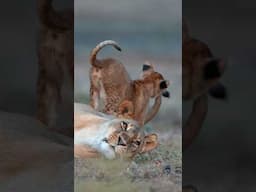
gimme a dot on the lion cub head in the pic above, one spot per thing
(154, 81)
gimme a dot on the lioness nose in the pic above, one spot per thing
(121, 141)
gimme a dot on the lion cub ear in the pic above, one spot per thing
(147, 67)
(150, 143)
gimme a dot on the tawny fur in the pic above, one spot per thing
(126, 110)
(112, 85)
(94, 122)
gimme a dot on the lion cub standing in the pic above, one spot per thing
(111, 83)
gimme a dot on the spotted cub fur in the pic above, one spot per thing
(111, 84)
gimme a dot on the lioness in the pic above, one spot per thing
(97, 133)
(111, 83)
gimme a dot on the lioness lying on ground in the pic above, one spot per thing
(96, 133)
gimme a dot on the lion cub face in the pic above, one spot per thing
(150, 85)
(155, 82)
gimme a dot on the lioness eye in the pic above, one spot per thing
(124, 125)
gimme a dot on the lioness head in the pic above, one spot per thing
(141, 144)
(124, 132)
(156, 83)
(128, 140)
(127, 147)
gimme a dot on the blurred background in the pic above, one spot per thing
(222, 158)
(18, 57)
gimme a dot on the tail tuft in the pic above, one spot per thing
(98, 48)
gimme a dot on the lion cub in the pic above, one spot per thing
(111, 83)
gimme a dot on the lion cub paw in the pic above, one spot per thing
(126, 110)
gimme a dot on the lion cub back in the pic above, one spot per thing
(111, 84)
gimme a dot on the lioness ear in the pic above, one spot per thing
(150, 143)
(213, 69)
